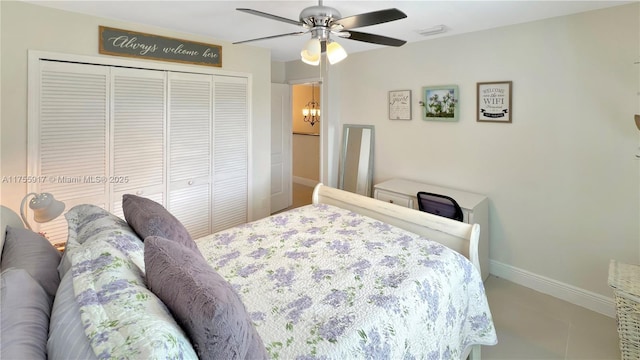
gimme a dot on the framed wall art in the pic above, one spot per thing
(440, 103)
(494, 102)
(400, 105)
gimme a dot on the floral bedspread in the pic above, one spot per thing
(121, 317)
(321, 282)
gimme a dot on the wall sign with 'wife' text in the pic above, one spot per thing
(147, 46)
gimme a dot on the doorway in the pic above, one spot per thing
(301, 124)
(305, 151)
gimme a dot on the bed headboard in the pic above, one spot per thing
(8, 217)
(459, 236)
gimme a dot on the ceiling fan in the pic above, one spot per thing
(323, 21)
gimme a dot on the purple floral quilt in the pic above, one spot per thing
(121, 317)
(321, 282)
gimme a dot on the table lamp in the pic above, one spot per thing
(45, 208)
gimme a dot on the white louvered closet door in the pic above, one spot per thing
(138, 127)
(180, 139)
(190, 155)
(231, 152)
(68, 138)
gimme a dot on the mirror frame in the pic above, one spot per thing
(343, 156)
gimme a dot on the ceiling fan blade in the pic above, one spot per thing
(270, 16)
(371, 18)
(271, 37)
(375, 39)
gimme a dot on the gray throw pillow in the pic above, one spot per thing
(148, 218)
(201, 301)
(24, 316)
(24, 249)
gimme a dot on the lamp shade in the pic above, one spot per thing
(310, 54)
(335, 53)
(45, 207)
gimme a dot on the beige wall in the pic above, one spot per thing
(278, 72)
(306, 157)
(562, 179)
(29, 27)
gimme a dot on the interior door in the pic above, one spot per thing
(281, 177)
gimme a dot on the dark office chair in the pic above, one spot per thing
(439, 205)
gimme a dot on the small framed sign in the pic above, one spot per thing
(494, 102)
(400, 105)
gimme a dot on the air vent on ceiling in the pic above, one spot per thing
(439, 29)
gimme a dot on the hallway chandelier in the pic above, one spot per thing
(311, 111)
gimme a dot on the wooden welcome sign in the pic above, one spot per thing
(127, 43)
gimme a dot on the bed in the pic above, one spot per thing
(345, 277)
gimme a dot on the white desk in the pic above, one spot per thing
(475, 207)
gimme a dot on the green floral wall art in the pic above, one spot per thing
(440, 103)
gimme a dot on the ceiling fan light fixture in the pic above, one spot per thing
(310, 59)
(335, 52)
(310, 53)
(312, 46)
(322, 21)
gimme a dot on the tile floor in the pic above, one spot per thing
(534, 326)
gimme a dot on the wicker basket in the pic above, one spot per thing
(625, 280)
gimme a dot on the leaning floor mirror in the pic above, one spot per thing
(356, 167)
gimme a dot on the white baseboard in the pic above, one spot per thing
(575, 295)
(305, 181)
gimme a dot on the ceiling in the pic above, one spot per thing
(220, 20)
